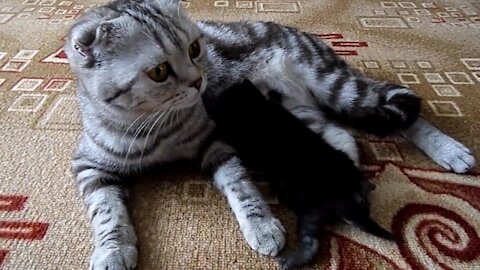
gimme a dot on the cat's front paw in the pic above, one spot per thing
(265, 235)
(120, 257)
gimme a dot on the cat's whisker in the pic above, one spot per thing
(176, 117)
(163, 116)
(165, 112)
(164, 121)
(137, 132)
(170, 121)
(131, 125)
(160, 126)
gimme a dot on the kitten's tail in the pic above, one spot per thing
(363, 221)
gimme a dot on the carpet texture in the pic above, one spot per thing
(181, 220)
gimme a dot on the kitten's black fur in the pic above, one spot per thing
(319, 183)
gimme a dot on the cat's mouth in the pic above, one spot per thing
(188, 98)
(195, 96)
(203, 85)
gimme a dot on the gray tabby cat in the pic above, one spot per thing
(141, 68)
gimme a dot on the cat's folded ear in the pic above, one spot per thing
(173, 7)
(167, 2)
(92, 33)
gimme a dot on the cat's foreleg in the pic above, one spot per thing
(113, 233)
(261, 229)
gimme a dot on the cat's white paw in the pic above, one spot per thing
(443, 149)
(265, 235)
(121, 257)
(452, 155)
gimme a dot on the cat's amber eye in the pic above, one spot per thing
(159, 73)
(194, 49)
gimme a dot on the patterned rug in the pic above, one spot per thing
(182, 221)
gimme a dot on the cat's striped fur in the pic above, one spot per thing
(132, 122)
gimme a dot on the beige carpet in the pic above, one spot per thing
(182, 221)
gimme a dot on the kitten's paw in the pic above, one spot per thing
(121, 257)
(265, 235)
(451, 154)
(302, 255)
(286, 263)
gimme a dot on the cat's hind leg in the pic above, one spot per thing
(397, 111)
(443, 149)
(376, 107)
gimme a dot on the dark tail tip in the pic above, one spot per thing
(399, 112)
(368, 225)
(382, 233)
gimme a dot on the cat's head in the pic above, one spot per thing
(138, 56)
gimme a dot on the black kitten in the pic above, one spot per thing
(319, 183)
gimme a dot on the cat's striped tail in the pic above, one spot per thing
(397, 108)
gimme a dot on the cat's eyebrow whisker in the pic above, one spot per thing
(179, 6)
(151, 37)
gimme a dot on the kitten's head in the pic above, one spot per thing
(230, 104)
(138, 56)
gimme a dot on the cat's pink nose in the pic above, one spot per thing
(196, 84)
